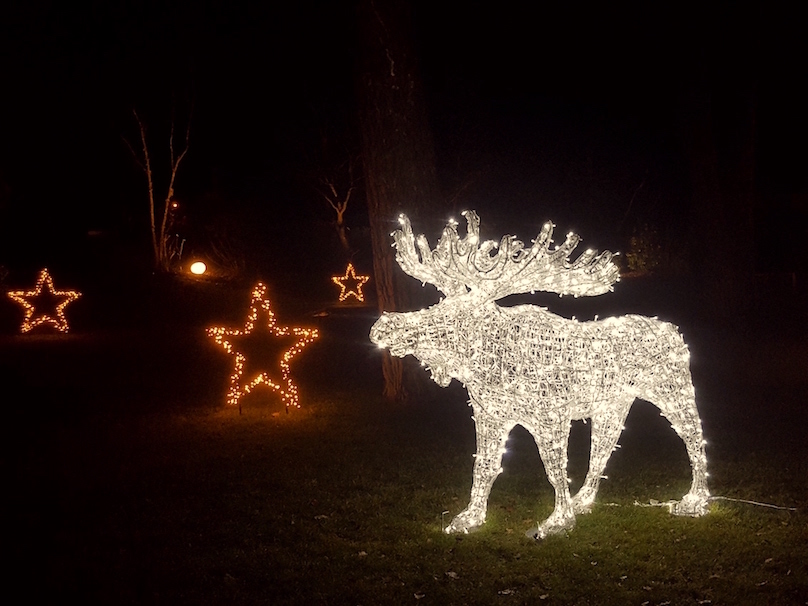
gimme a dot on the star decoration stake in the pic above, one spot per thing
(54, 301)
(351, 284)
(241, 386)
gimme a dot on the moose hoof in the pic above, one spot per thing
(693, 505)
(552, 525)
(463, 523)
(583, 501)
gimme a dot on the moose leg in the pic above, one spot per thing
(552, 440)
(491, 437)
(687, 424)
(677, 403)
(606, 429)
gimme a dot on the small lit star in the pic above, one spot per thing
(227, 337)
(350, 283)
(44, 304)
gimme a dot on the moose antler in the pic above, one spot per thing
(458, 266)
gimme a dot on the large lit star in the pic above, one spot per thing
(229, 339)
(351, 284)
(44, 304)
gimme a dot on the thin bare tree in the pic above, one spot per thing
(338, 195)
(160, 217)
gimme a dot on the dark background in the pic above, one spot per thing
(573, 112)
(566, 112)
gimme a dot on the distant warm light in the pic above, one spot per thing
(240, 385)
(526, 366)
(350, 284)
(31, 299)
(198, 268)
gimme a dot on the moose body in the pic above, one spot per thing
(527, 366)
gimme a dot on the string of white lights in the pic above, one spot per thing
(671, 504)
(757, 503)
(527, 366)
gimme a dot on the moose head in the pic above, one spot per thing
(473, 274)
(526, 366)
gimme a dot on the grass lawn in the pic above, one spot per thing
(128, 482)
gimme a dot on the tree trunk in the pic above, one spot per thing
(342, 232)
(398, 156)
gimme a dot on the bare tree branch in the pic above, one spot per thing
(330, 191)
(160, 247)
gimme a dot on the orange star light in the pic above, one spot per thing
(52, 300)
(350, 283)
(239, 386)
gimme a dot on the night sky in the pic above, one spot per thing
(561, 112)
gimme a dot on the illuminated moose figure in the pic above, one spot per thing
(526, 366)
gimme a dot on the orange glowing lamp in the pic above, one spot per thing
(198, 268)
(44, 305)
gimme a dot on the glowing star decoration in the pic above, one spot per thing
(227, 337)
(526, 366)
(351, 284)
(44, 305)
